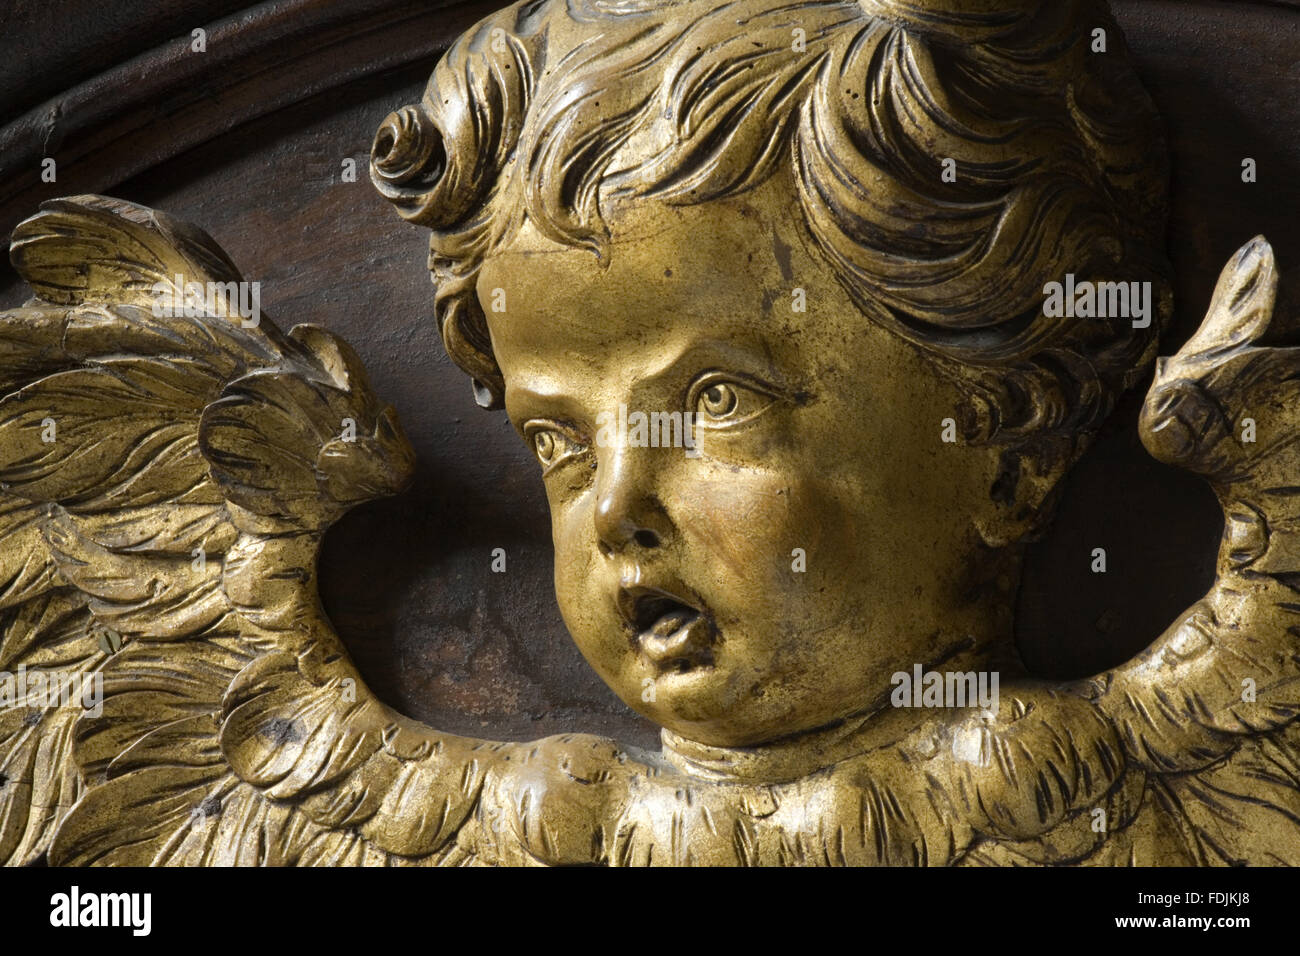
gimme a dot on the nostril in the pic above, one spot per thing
(646, 538)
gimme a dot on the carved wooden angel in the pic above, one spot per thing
(815, 240)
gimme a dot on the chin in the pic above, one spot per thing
(694, 701)
(713, 706)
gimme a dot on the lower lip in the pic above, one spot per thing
(687, 648)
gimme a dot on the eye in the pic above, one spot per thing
(552, 445)
(719, 401)
(544, 444)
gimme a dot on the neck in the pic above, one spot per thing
(777, 762)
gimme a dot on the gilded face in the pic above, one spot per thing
(817, 537)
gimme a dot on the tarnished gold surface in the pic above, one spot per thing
(671, 209)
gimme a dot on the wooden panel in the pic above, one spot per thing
(170, 98)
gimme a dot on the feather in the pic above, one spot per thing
(122, 435)
(48, 635)
(130, 439)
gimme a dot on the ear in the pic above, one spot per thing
(1022, 492)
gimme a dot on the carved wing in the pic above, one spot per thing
(1209, 710)
(167, 475)
(1199, 759)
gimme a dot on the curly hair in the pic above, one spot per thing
(549, 109)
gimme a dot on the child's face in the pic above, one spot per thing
(819, 542)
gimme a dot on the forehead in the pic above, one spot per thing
(726, 270)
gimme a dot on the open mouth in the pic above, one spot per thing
(670, 633)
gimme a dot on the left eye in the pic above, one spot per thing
(719, 402)
(552, 446)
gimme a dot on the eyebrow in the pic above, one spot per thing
(537, 403)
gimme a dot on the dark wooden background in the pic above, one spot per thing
(247, 140)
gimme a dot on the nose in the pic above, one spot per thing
(628, 514)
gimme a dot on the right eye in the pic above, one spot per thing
(552, 445)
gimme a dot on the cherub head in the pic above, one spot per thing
(823, 230)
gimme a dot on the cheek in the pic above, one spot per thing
(740, 518)
(583, 590)
(575, 553)
(769, 541)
